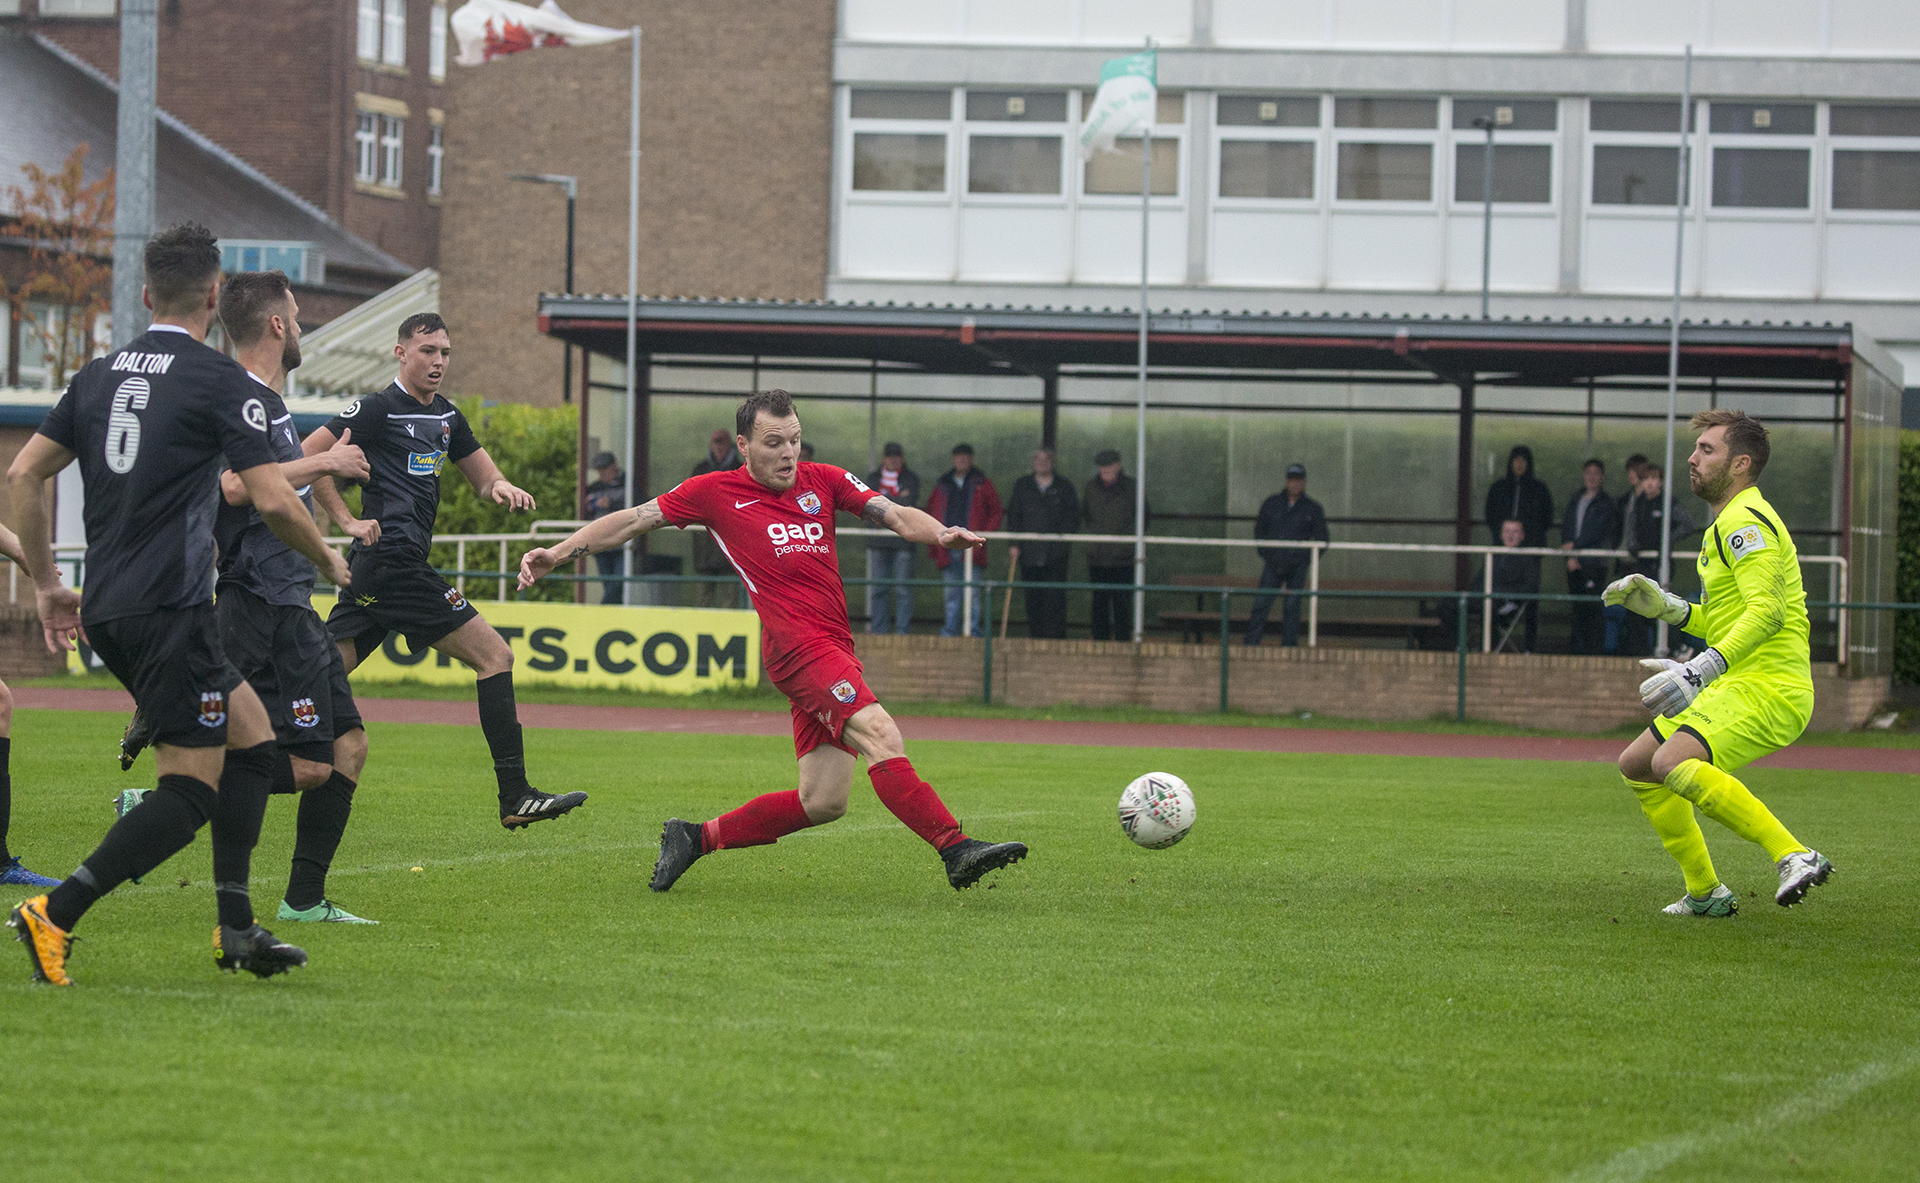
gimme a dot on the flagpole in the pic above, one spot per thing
(633, 288)
(1673, 339)
(1140, 411)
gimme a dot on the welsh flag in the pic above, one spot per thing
(487, 29)
(1124, 105)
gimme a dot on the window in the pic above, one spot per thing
(392, 130)
(366, 157)
(1761, 119)
(76, 7)
(1629, 174)
(436, 158)
(1024, 106)
(1855, 119)
(1268, 111)
(368, 42)
(1274, 169)
(437, 43)
(900, 163)
(902, 104)
(1118, 172)
(1386, 113)
(1521, 172)
(1876, 180)
(1508, 115)
(1653, 115)
(1761, 178)
(298, 259)
(393, 33)
(1875, 176)
(1385, 172)
(1014, 164)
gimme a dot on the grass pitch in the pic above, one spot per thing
(1355, 968)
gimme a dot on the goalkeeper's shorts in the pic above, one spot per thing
(1740, 719)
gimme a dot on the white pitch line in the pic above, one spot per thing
(1830, 1094)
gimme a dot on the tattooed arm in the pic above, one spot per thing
(916, 525)
(600, 534)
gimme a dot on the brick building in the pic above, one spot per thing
(735, 173)
(338, 100)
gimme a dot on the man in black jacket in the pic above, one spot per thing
(1108, 508)
(1043, 502)
(890, 559)
(1290, 516)
(1522, 497)
(1591, 523)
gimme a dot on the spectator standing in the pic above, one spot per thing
(964, 497)
(1520, 496)
(1043, 502)
(604, 496)
(1107, 508)
(1287, 516)
(890, 558)
(1615, 615)
(1591, 523)
(708, 559)
(1640, 535)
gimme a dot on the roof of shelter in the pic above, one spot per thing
(55, 101)
(953, 339)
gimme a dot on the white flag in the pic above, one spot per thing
(1124, 105)
(487, 29)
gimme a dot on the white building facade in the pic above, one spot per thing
(1324, 156)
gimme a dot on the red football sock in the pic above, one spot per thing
(914, 802)
(759, 822)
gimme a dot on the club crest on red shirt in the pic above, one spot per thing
(844, 691)
(810, 502)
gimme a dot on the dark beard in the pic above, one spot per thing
(290, 355)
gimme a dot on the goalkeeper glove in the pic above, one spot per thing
(1646, 598)
(1675, 684)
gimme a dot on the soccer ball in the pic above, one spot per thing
(1156, 811)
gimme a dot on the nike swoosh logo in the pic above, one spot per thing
(744, 504)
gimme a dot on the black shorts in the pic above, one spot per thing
(285, 654)
(404, 596)
(175, 667)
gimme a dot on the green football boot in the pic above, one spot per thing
(324, 912)
(1719, 904)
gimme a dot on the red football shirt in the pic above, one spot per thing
(782, 544)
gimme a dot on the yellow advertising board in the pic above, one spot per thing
(669, 650)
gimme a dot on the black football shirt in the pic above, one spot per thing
(153, 425)
(251, 555)
(406, 444)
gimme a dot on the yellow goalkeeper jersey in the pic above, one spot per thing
(1753, 607)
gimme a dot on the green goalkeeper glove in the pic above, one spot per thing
(1646, 598)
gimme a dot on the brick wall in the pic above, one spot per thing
(736, 130)
(274, 84)
(23, 650)
(1554, 692)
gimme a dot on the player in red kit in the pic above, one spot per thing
(773, 519)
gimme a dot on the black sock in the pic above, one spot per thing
(6, 794)
(500, 721)
(323, 819)
(153, 831)
(283, 780)
(238, 810)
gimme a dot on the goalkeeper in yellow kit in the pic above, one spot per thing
(1749, 693)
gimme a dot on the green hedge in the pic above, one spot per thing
(1906, 629)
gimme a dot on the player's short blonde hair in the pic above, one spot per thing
(1746, 436)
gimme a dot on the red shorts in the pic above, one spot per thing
(825, 693)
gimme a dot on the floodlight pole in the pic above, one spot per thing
(1486, 216)
(633, 288)
(1140, 412)
(133, 164)
(572, 186)
(1673, 337)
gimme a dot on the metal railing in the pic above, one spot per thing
(553, 530)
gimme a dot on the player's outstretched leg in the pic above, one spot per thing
(1724, 799)
(760, 822)
(914, 802)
